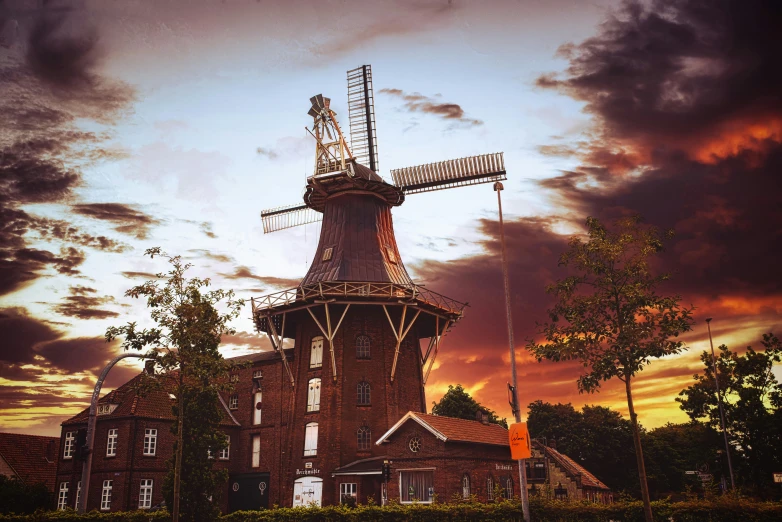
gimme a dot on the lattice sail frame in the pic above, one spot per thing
(361, 117)
(472, 170)
(289, 216)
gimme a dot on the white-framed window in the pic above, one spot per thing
(145, 494)
(507, 488)
(256, 463)
(234, 377)
(316, 352)
(78, 494)
(150, 441)
(311, 439)
(233, 402)
(105, 409)
(225, 453)
(416, 486)
(105, 496)
(363, 394)
(362, 347)
(489, 488)
(348, 493)
(364, 438)
(313, 395)
(62, 496)
(70, 442)
(111, 442)
(257, 400)
(258, 374)
(465, 486)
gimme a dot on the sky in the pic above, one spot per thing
(132, 124)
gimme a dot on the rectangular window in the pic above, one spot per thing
(150, 442)
(62, 496)
(111, 443)
(311, 439)
(416, 486)
(145, 494)
(105, 496)
(258, 374)
(226, 451)
(233, 402)
(347, 493)
(327, 253)
(78, 494)
(489, 489)
(70, 440)
(235, 377)
(313, 395)
(257, 399)
(316, 353)
(256, 451)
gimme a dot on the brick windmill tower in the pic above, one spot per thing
(357, 320)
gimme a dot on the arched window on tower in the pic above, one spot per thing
(363, 393)
(466, 486)
(362, 347)
(364, 438)
(316, 352)
(313, 395)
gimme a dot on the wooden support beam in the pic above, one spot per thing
(438, 339)
(400, 334)
(329, 334)
(277, 341)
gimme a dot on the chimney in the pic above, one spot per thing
(482, 416)
(552, 443)
(149, 367)
(49, 453)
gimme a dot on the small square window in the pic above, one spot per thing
(327, 253)
(235, 377)
(258, 374)
(391, 255)
(233, 402)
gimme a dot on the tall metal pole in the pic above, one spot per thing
(86, 467)
(719, 401)
(516, 409)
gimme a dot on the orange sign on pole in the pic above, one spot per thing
(519, 441)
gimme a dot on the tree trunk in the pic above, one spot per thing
(178, 459)
(639, 455)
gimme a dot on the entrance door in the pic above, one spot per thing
(249, 492)
(307, 491)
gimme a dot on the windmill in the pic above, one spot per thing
(357, 262)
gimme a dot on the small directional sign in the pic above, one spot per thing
(519, 441)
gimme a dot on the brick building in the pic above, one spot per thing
(314, 423)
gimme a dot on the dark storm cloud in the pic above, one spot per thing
(20, 333)
(42, 152)
(686, 131)
(83, 303)
(127, 219)
(416, 102)
(77, 354)
(244, 273)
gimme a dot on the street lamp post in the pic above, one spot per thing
(86, 469)
(719, 402)
(515, 389)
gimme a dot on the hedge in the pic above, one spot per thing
(719, 510)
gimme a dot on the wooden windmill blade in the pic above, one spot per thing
(361, 117)
(280, 218)
(473, 170)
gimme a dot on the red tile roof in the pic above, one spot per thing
(456, 430)
(573, 469)
(32, 457)
(154, 403)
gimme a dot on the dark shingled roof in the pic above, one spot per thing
(32, 457)
(152, 404)
(359, 230)
(269, 355)
(572, 468)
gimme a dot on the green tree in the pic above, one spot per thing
(19, 497)
(184, 343)
(752, 399)
(609, 316)
(459, 404)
